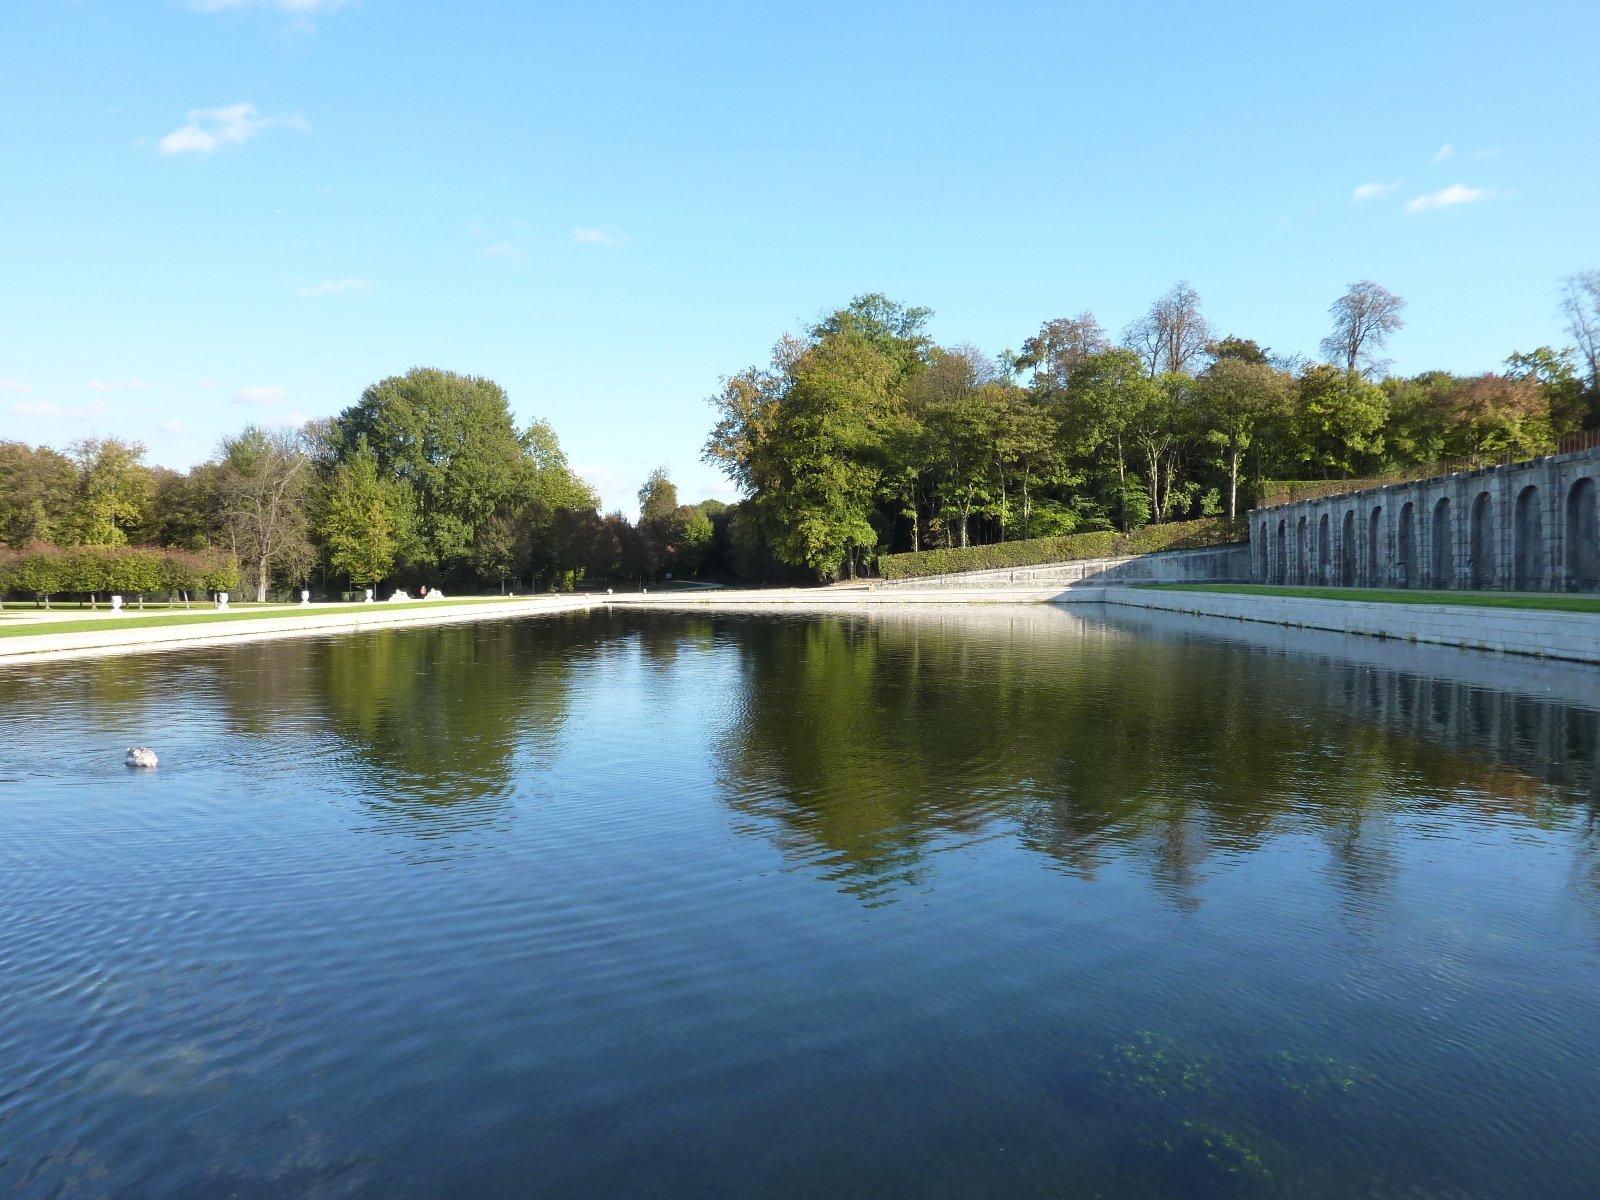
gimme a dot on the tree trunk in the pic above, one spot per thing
(1233, 480)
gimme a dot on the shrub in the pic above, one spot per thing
(1179, 535)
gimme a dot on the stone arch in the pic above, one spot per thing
(1583, 538)
(1480, 551)
(1300, 535)
(1261, 555)
(1443, 560)
(1375, 548)
(1532, 561)
(1280, 575)
(1324, 550)
(1347, 550)
(1406, 550)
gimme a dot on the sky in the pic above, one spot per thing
(222, 211)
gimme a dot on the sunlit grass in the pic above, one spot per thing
(1551, 601)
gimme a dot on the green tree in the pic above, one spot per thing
(1339, 420)
(110, 494)
(451, 440)
(1237, 394)
(1111, 394)
(365, 519)
(36, 493)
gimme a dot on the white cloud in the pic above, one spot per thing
(11, 385)
(605, 235)
(213, 128)
(172, 427)
(97, 386)
(1445, 151)
(49, 408)
(341, 287)
(1456, 193)
(503, 250)
(293, 6)
(1370, 191)
(265, 396)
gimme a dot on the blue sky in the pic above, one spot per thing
(223, 211)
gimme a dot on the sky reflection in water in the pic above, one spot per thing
(934, 902)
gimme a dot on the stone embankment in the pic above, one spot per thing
(118, 635)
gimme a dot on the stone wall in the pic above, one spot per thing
(1219, 564)
(1530, 527)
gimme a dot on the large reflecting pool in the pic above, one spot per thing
(911, 902)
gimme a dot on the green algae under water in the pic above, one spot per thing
(926, 901)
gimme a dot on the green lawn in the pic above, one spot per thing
(1555, 601)
(205, 617)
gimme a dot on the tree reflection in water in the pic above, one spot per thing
(867, 742)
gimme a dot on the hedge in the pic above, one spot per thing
(44, 570)
(1179, 535)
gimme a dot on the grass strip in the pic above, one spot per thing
(96, 624)
(1548, 601)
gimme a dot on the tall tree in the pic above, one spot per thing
(448, 437)
(112, 490)
(1172, 337)
(263, 488)
(1109, 392)
(1059, 349)
(365, 519)
(1363, 319)
(36, 492)
(1237, 393)
(1339, 420)
(1580, 305)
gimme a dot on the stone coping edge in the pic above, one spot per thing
(97, 642)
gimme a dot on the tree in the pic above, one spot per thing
(1059, 349)
(1580, 305)
(1339, 419)
(1237, 393)
(1363, 319)
(447, 437)
(36, 492)
(112, 488)
(1556, 374)
(1491, 415)
(263, 488)
(1172, 336)
(1108, 392)
(365, 519)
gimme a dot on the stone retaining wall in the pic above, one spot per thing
(1222, 564)
(1529, 526)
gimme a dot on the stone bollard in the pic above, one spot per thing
(222, 602)
(116, 605)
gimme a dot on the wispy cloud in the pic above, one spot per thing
(341, 287)
(265, 396)
(96, 386)
(11, 385)
(1445, 151)
(211, 129)
(1371, 191)
(605, 235)
(1456, 193)
(172, 427)
(301, 7)
(48, 408)
(503, 250)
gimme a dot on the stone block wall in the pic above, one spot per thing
(1528, 527)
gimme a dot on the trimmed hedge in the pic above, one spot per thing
(1179, 535)
(44, 570)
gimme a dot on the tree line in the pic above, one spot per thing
(425, 478)
(863, 436)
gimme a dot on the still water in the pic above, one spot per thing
(995, 902)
